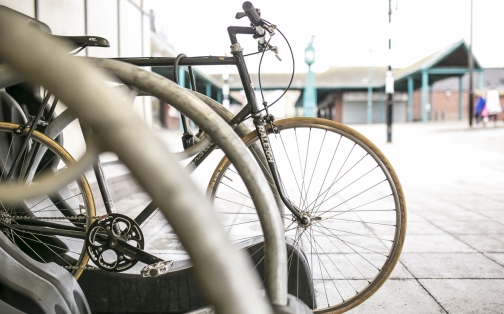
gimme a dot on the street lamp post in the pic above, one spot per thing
(310, 93)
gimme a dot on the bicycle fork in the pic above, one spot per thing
(270, 159)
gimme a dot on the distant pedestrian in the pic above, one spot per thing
(493, 105)
(480, 109)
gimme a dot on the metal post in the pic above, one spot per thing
(181, 82)
(208, 90)
(370, 97)
(310, 93)
(389, 81)
(410, 99)
(425, 88)
(471, 88)
(431, 102)
(225, 87)
(480, 80)
(460, 99)
(382, 109)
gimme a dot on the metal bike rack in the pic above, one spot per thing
(224, 136)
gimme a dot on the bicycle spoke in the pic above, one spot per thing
(344, 277)
(369, 210)
(334, 183)
(304, 171)
(316, 164)
(7, 157)
(236, 190)
(351, 198)
(336, 177)
(290, 164)
(220, 198)
(358, 234)
(350, 184)
(43, 261)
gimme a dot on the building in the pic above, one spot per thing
(434, 88)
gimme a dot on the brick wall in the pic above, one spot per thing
(338, 106)
(444, 105)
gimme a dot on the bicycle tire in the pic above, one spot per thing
(56, 206)
(316, 126)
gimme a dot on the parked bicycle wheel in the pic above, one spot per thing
(49, 228)
(350, 197)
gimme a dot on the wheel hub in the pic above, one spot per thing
(305, 220)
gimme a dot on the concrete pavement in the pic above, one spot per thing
(453, 257)
(453, 179)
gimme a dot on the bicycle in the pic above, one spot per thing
(46, 54)
(349, 260)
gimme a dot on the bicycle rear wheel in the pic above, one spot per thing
(349, 192)
(41, 226)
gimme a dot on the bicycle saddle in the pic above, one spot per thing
(91, 41)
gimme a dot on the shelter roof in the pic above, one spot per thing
(447, 62)
(452, 60)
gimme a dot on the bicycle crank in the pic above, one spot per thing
(115, 243)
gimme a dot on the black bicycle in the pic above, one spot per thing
(342, 204)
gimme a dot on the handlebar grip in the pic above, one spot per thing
(252, 13)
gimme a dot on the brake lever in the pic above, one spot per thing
(239, 15)
(267, 47)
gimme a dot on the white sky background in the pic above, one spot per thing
(345, 31)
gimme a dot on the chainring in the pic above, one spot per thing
(113, 227)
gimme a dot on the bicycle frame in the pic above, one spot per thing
(251, 109)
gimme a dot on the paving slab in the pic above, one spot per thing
(452, 214)
(453, 182)
(422, 228)
(434, 243)
(471, 227)
(399, 296)
(496, 257)
(468, 295)
(496, 215)
(485, 243)
(451, 265)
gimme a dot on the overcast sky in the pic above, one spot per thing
(345, 30)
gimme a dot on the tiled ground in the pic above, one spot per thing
(453, 179)
(453, 257)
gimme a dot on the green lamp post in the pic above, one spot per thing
(310, 93)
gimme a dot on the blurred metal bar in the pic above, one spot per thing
(224, 136)
(168, 61)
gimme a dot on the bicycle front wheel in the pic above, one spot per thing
(48, 228)
(351, 196)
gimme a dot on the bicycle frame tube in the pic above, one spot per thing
(254, 110)
(250, 109)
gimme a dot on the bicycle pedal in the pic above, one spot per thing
(156, 269)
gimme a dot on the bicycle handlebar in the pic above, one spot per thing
(252, 13)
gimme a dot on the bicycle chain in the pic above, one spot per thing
(78, 217)
(77, 268)
(71, 218)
